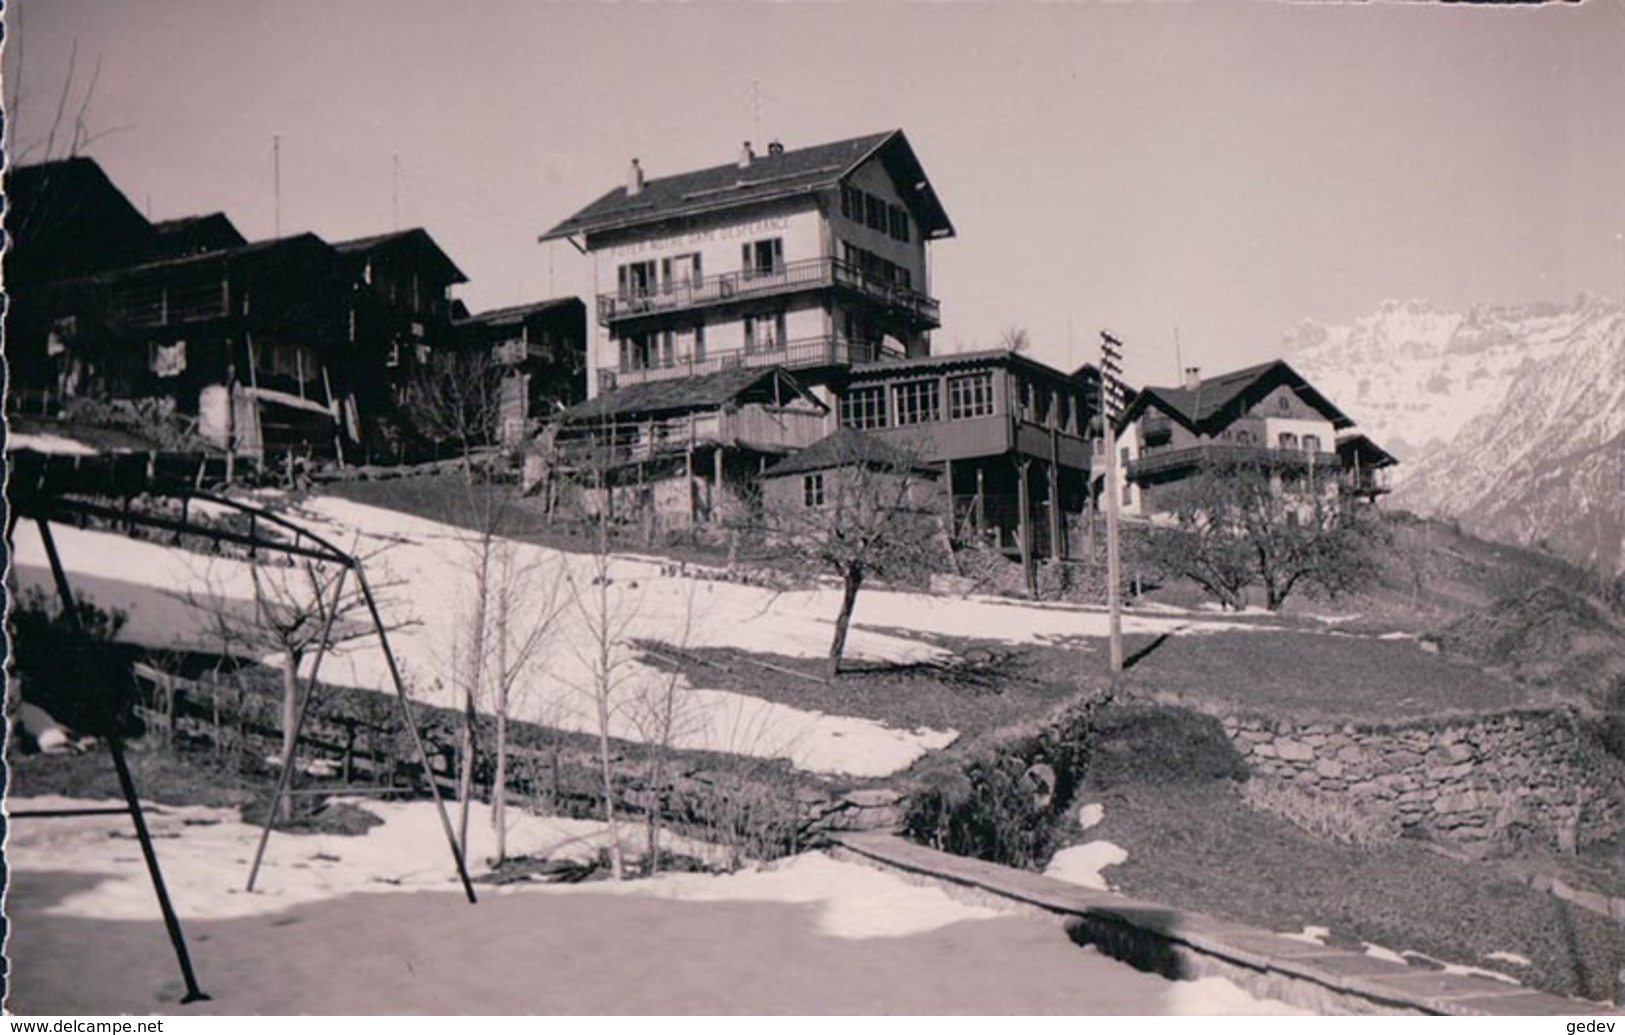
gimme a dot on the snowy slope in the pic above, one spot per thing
(430, 565)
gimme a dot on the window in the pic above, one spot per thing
(638, 352)
(635, 279)
(1284, 403)
(873, 267)
(812, 490)
(864, 407)
(970, 395)
(764, 333)
(852, 203)
(680, 270)
(1288, 440)
(1128, 494)
(897, 222)
(874, 213)
(1311, 443)
(763, 258)
(1244, 438)
(916, 402)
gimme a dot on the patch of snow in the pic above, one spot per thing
(1081, 864)
(1376, 951)
(1509, 957)
(1091, 814)
(1312, 935)
(1464, 969)
(1397, 636)
(1251, 609)
(1217, 996)
(1333, 619)
(288, 399)
(206, 852)
(47, 443)
(856, 901)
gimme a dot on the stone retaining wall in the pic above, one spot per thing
(1539, 776)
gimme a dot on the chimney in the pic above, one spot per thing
(1193, 378)
(634, 180)
(775, 149)
(746, 155)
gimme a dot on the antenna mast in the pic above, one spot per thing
(276, 182)
(395, 190)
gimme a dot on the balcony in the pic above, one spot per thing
(804, 275)
(823, 351)
(1165, 465)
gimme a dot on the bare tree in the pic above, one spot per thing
(515, 599)
(657, 713)
(873, 511)
(1015, 338)
(607, 615)
(1268, 523)
(296, 609)
(80, 135)
(456, 398)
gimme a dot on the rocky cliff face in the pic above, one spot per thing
(1510, 419)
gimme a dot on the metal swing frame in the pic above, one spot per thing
(47, 488)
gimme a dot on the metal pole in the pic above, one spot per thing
(286, 775)
(115, 747)
(411, 726)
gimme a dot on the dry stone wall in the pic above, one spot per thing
(1541, 776)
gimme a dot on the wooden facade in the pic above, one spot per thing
(1010, 435)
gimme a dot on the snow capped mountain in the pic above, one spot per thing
(1413, 375)
(1509, 418)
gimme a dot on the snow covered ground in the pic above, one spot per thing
(47, 443)
(429, 564)
(337, 923)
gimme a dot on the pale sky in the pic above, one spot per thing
(1228, 169)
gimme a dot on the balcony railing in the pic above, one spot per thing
(803, 275)
(1165, 461)
(823, 351)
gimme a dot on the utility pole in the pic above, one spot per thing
(1111, 407)
(395, 190)
(276, 182)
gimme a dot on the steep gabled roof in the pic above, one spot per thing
(769, 177)
(191, 235)
(1217, 401)
(689, 394)
(520, 313)
(66, 218)
(849, 447)
(416, 237)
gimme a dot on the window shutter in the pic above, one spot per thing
(744, 257)
(778, 253)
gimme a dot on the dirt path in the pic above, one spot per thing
(554, 950)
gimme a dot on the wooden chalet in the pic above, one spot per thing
(542, 350)
(1009, 434)
(1266, 414)
(688, 451)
